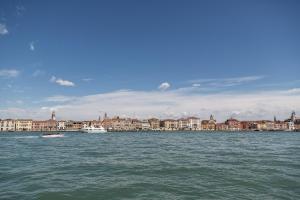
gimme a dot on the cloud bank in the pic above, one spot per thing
(172, 103)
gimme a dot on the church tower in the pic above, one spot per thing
(53, 115)
(293, 116)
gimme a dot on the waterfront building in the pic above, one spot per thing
(47, 125)
(280, 126)
(260, 125)
(23, 125)
(95, 123)
(51, 125)
(169, 124)
(122, 124)
(269, 125)
(154, 124)
(233, 124)
(265, 125)
(145, 125)
(183, 124)
(209, 125)
(73, 125)
(194, 123)
(246, 125)
(61, 125)
(117, 124)
(7, 125)
(136, 124)
(221, 127)
(297, 124)
(38, 125)
(291, 125)
(107, 123)
(291, 121)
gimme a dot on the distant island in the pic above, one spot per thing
(116, 124)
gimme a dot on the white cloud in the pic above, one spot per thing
(62, 82)
(65, 83)
(31, 46)
(164, 86)
(293, 91)
(9, 73)
(3, 29)
(226, 82)
(172, 103)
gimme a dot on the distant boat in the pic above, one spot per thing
(52, 135)
(92, 129)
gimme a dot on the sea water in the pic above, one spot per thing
(151, 165)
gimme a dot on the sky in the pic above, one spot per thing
(157, 58)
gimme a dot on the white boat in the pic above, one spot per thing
(52, 135)
(92, 129)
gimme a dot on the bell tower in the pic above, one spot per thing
(53, 115)
(293, 116)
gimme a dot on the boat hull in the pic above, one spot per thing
(94, 131)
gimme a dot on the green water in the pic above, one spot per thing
(150, 166)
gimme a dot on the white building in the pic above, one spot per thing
(183, 124)
(194, 123)
(145, 125)
(7, 125)
(23, 124)
(61, 125)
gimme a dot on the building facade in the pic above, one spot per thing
(154, 124)
(169, 124)
(7, 125)
(194, 123)
(233, 124)
(61, 125)
(145, 125)
(183, 124)
(209, 125)
(23, 125)
(221, 127)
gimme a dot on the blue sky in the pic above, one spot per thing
(55, 55)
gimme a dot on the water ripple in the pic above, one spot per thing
(150, 166)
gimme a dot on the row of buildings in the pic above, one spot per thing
(154, 124)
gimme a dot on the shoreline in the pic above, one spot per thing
(156, 131)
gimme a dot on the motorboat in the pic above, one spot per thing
(92, 129)
(52, 135)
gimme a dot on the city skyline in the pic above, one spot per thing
(149, 59)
